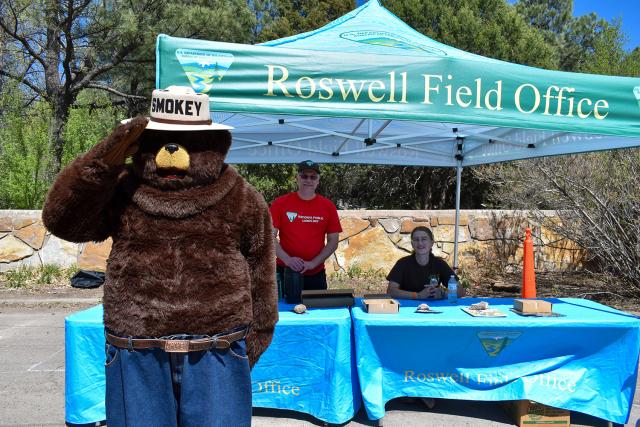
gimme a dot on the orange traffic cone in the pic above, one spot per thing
(528, 272)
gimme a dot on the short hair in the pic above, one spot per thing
(423, 228)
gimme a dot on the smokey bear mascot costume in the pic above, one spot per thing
(190, 299)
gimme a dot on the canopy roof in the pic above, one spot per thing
(367, 88)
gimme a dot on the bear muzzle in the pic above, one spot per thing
(172, 161)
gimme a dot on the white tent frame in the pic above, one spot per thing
(449, 143)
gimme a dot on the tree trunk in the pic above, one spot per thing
(425, 189)
(60, 115)
(53, 84)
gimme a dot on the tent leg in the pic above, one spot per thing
(455, 232)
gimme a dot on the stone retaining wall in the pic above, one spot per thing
(371, 240)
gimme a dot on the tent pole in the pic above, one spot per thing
(455, 232)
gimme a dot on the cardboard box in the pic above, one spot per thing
(376, 296)
(381, 305)
(527, 413)
(532, 305)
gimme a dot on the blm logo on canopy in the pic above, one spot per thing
(388, 39)
(204, 67)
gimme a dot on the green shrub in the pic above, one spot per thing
(25, 276)
(464, 279)
(49, 273)
(20, 277)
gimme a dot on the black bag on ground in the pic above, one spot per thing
(86, 279)
(293, 284)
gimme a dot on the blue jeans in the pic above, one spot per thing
(154, 388)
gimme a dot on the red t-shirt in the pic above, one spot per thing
(303, 224)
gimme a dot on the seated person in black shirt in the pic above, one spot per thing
(409, 277)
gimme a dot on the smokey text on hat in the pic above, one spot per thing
(176, 106)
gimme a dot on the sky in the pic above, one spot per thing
(627, 10)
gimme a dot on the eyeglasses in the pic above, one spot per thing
(311, 177)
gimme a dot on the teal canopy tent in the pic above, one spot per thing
(366, 88)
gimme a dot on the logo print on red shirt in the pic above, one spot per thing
(292, 216)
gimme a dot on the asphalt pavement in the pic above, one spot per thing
(32, 378)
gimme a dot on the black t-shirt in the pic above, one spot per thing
(412, 276)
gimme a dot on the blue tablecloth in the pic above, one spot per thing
(585, 361)
(308, 367)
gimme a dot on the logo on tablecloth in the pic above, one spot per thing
(494, 342)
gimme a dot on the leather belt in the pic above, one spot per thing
(221, 342)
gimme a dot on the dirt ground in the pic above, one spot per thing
(59, 293)
(595, 287)
(548, 284)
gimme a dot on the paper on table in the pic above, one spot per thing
(491, 312)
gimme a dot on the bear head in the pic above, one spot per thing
(176, 160)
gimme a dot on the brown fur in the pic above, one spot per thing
(193, 256)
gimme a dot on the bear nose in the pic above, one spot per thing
(171, 148)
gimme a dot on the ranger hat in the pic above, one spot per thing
(308, 164)
(180, 108)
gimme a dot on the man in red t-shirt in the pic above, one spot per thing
(306, 227)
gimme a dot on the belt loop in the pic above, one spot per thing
(130, 343)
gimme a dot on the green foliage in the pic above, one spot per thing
(282, 18)
(357, 272)
(397, 187)
(362, 281)
(25, 144)
(490, 28)
(24, 152)
(586, 44)
(19, 277)
(87, 125)
(607, 55)
(55, 49)
(270, 180)
(24, 276)
(49, 273)
(550, 16)
(220, 20)
(373, 186)
(464, 279)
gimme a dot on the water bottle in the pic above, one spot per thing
(433, 281)
(452, 290)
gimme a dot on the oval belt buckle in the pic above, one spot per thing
(176, 346)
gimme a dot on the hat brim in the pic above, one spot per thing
(179, 127)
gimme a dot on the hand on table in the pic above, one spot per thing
(430, 292)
